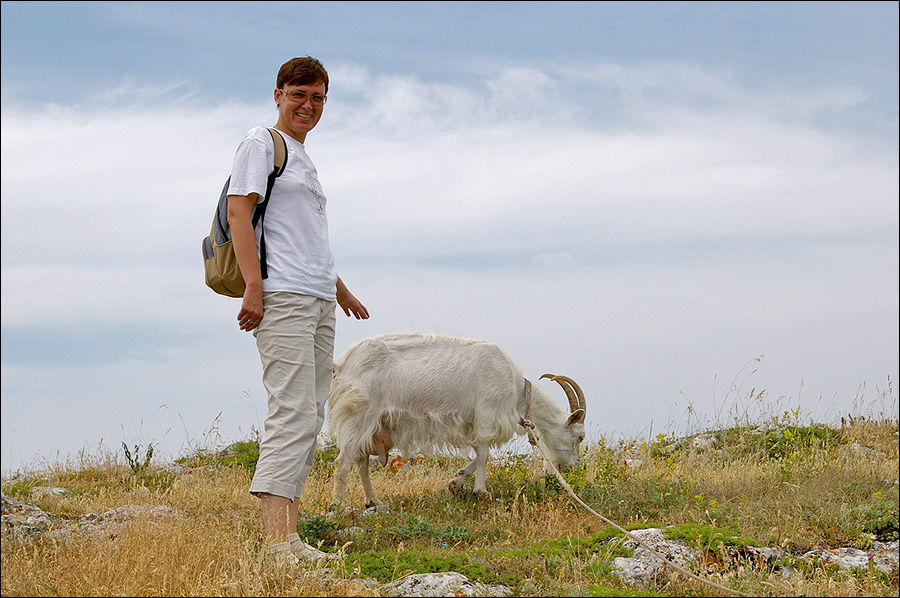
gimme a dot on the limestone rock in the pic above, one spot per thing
(109, 524)
(448, 583)
(22, 519)
(704, 441)
(861, 451)
(53, 491)
(883, 556)
(643, 566)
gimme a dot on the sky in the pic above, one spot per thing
(689, 208)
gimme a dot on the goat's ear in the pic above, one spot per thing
(576, 417)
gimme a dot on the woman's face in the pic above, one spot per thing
(299, 108)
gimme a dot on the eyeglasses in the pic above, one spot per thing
(301, 96)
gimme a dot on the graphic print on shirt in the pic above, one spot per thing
(313, 182)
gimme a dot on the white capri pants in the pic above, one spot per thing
(296, 346)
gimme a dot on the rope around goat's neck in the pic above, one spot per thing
(537, 442)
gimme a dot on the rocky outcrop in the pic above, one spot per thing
(21, 519)
(882, 556)
(643, 566)
(448, 583)
(109, 524)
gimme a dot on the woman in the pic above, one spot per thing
(292, 311)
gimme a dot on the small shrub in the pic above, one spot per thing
(326, 456)
(520, 478)
(662, 446)
(416, 527)
(706, 537)
(610, 468)
(413, 528)
(316, 529)
(243, 454)
(454, 533)
(515, 478)
(137, 466)
(575, 477)
(22, 486)
(880, 516)
(793, 440)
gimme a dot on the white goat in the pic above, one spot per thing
(421, 392)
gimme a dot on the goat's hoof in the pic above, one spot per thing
(479, 491)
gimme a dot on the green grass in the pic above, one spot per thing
(783, 484)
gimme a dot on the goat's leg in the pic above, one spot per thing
(341, 471)
(363, 463)
(456, 483)
(481, 456)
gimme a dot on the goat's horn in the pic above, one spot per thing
(581, 402)
(573, 399)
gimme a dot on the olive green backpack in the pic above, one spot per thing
(222, 272)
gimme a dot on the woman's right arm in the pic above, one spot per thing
(243, 240)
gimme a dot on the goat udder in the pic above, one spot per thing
(382, 444)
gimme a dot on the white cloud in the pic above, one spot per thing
(73, 296)
(649, 257)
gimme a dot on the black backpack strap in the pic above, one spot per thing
(280, 163)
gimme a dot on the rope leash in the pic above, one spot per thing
(536, 442)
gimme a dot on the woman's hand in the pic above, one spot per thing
(251, 308)
(350, 304)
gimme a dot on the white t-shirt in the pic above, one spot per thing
(298, 253)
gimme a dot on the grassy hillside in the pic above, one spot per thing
(798, 487)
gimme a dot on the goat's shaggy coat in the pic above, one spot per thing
(426, 393)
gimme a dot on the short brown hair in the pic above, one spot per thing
(302, 71)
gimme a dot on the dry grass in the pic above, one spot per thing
(801, 492)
